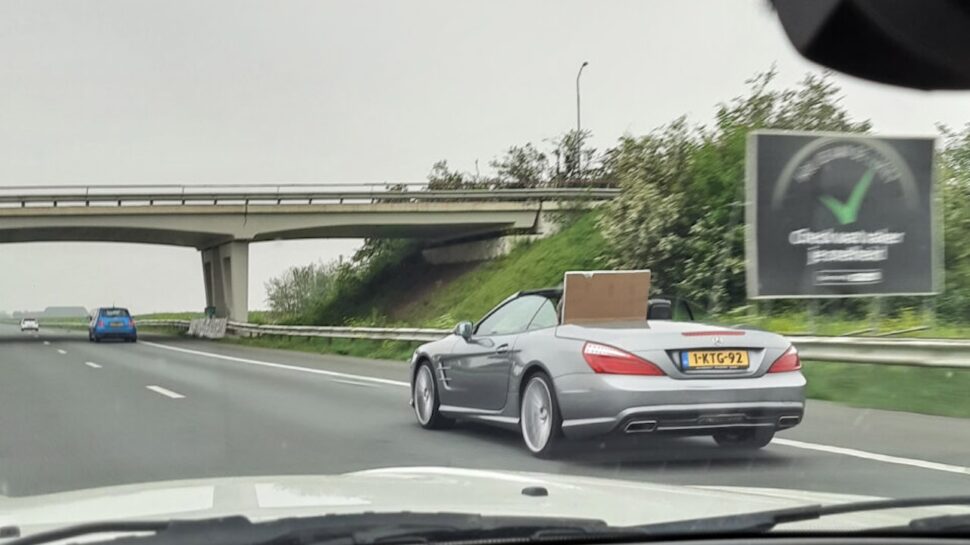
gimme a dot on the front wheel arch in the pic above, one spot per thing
(418, 362)
(435, 420)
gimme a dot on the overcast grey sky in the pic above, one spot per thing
(132, 91)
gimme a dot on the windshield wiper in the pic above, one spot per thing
(363, 528)
(939, 524)
(400, 528)
(763, 521)
(89, 529)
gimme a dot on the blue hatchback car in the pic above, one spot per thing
(112, 323)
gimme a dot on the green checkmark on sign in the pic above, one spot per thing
(848, 211)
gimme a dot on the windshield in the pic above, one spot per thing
(634, 262)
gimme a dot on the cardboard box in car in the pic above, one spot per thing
(605, 296)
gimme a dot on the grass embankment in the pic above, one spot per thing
(537, 264)
(912, 389)
(413, 293)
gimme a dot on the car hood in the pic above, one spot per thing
(424, 489)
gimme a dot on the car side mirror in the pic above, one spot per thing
(464, 330)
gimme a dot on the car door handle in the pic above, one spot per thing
(502, 349)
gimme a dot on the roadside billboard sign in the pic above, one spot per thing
(840, 215)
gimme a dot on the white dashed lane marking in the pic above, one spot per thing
(165, 392)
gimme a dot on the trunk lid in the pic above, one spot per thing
(667, 344)
(120, 321)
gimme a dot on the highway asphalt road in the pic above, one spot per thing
(75, 414)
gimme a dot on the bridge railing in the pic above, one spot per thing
(264, 194)
(877, 350)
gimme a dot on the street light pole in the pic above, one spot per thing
(579, 125)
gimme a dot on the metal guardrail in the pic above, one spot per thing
(376, 333)
(877, 350)
(181, 324)
(257, 195)
(881, 350)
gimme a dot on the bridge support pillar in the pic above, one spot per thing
(225, 270)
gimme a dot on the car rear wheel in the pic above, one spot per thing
(748, 438)
(539, 417)
(424, 395)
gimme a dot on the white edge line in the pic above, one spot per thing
(885, 458)
(92, 365)
(354, 383)
(61, 352)
(283, 366)
(165, 392)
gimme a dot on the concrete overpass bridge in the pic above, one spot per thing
(221, 221)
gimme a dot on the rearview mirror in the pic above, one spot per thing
(912, 43)
(464, 330)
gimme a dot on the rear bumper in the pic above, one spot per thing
(602, 404)
(116, 333)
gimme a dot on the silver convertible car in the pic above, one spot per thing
(520, 368)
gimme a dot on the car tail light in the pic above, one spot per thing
(786, 362)
(100, 323)
(606, 359)
(131, 321)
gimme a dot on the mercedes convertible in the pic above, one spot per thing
(522, 368)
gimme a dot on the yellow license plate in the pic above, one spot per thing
(714, 359)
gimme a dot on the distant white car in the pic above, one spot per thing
(29, 324)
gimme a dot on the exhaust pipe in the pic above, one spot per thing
(788, 421)
(641, 426)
